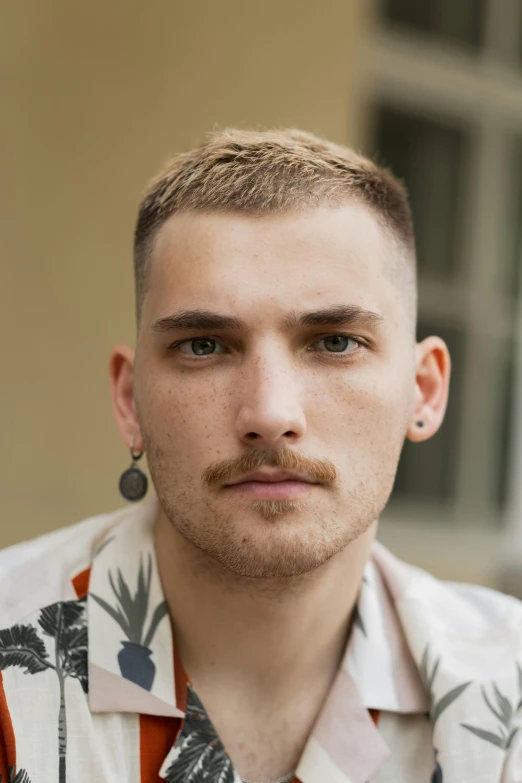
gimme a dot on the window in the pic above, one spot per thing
(431, 157)
(456, 22)
(453, 132)
(428, 471)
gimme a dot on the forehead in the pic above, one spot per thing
(260, 265)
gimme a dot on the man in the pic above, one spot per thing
(242, 624)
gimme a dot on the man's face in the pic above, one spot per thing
(327, 398)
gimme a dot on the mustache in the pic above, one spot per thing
(320, 471)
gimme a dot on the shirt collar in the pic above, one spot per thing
(377, 672)
(133, 666)
(378, 657)
(131, 653)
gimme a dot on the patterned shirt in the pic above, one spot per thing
(92, 688)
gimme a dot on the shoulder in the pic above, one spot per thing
(39, 572)
(484, 604)
(469, 627)
(470, 611)
(455, 603)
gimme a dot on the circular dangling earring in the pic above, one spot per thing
(133, 481)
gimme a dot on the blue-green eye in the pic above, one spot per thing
(339, 343)
(201, 346)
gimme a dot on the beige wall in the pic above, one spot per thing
(94, 97)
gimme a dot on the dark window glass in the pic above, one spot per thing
(431, 157)
(513, 229)
(459, 22)
(512, 287)
(429, 469)
(504, 444)
(520, 40)
(513, 284)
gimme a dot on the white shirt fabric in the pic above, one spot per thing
(92, 688)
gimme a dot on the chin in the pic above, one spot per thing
(261, 565)
(279, 551)
(271, 510)
(267, 539)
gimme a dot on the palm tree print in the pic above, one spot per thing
(438, 706)
(358, 621)
(22, 646)
(130, 613)
(437, 776)
(17, 777)
(200, 755)
(505, 712)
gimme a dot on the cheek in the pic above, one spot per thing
(364, 416)
(178, 417)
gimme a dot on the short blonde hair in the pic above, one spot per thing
(269, 171)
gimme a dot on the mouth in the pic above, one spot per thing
(273, 485)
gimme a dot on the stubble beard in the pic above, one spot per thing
(273, 553)
(279, 550)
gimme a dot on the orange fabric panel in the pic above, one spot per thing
(181, 680)
(158, 733)
(7, 737)
(157, 736)
(81, 582)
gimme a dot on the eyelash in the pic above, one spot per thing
(359, 340)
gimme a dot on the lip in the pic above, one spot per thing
(271, 477)
(272, 490)
(274, 485)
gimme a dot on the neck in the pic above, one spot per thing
(262, 636)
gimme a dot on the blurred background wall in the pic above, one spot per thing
(96, 96)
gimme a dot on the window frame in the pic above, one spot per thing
(483, 93)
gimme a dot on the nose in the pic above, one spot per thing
(270, 413)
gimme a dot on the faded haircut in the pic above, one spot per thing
(254, 173)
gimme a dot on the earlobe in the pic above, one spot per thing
(418, 431)
(121, 370)
(431, 388)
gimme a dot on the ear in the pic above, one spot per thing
(433, 367)
(121, 369)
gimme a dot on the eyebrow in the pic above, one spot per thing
(207, 320)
